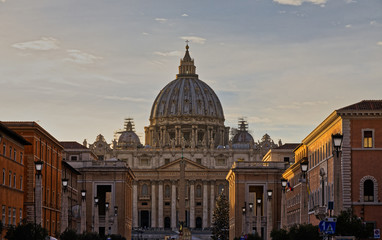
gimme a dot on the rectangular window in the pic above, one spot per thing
(286, 159)
(166, 161)
(199, 161)
(14, 180)
(21, 158)
(10, 179)
(3, 176)
(14, 216)
(368, 139)
(21, 216)
(3, 215)
(21, 182)
(9, 216)
(220, 162)
(4, 147)
(14, 154)
(73, 158)
(145, 162)
(10, 152)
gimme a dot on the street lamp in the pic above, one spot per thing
(107, 205)
(337, 142)
(96, 201)
(243, 209)
(250, 206)
(258, 200)
(39, 165)
(115, 211)
(83, 195)
(304, 166)
(65, 183)
(270, 193)
(284, 183)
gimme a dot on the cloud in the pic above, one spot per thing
(161, 20)
(145, 33)
(299, 2)
(298, 105)
(379, 43)
(348, 26)
(184, 15)
(169, 54)
(3, 1)
(80, 57)
(44, 44)
(194, 39)
(130, 99)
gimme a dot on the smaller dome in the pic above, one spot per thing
(128, 137)
(242, 139)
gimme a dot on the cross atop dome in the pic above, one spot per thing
(187, 67)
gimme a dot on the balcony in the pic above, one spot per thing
(145, 197)
(257, 165)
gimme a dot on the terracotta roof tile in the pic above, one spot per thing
(72, 145)
(288, 146)
(364, 105)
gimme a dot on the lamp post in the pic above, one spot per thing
(337, 144)
(64, 206)
(283, 203)
(258, 213)
(269, 211)
(244, 210)
(38, 192)
(83, 211)
(107, 227)
(96, 219)
(303, 211)
(115, 220)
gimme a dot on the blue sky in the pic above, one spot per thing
(80, 67)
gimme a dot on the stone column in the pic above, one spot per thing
(38, 198)
(83, 216)
(64, 211)
(283, 208)
(153, 205)
(192, 204)
(205, 205)
(135, 204)
(212, 206)
(173, 205)
(160, 205)
(107, 224)
(337, 186)
(303, 202)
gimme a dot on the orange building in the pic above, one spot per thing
(347, 178)
(12, 181)
(47, 149)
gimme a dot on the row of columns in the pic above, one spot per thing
(157, 203)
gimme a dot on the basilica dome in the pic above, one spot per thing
(187, 96)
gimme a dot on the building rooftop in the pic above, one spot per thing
(364, 105)
(72, 145)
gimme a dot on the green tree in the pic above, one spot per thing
(90, 236)
(26, 231)
(279, 234)
(69, 234)
(220, 224)
(348, 224)
(303, 232)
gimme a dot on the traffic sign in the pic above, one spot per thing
(330, 219)
(330, 227)
(377, 233)
(321, 225)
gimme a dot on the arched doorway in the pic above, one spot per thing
(167, 222)
(198, 223)
(145, 219)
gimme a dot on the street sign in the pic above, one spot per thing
(330, 219)
(377, 233)
(330, 227)
(321, 225)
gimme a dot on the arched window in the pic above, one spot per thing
(198, 191)
(144, 190)
(368, 191)
(167, 191)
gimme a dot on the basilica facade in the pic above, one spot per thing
(187, 153)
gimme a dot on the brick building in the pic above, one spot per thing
(13, 177)
(349, 179)
(47, 149)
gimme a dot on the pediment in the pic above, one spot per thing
(175, 165)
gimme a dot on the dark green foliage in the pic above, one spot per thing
(117, 237)
(220, 225)
(26, 231)
(254, 237)
(69, 234)
(90, 236)
(297, 232)
(303, 232)
(349, 224)
(279, 234)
